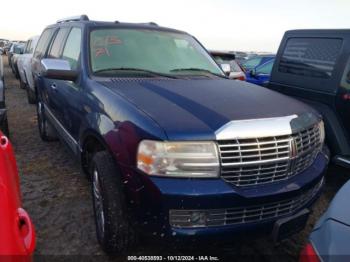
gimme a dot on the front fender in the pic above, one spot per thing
(120, 138)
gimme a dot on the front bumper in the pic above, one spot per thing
(161, 197)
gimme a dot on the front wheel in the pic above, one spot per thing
(114, 230)
(46, 131)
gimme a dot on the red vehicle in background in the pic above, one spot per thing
(17, 236)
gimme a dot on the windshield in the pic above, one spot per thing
(18, 49)
(148, 50)
(266, 68)
(252, 63)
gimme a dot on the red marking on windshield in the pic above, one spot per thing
(113, 40)
(101, 51)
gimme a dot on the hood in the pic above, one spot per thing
(194, 109)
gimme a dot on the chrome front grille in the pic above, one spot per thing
(246, 162)
(241, 215)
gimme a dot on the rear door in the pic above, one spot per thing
(39, 53)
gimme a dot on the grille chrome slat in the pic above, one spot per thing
(247, 214)
(253, 161)
(255, 156)
(262, 149)
(253, 144)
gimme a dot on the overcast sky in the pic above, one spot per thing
(218, 24)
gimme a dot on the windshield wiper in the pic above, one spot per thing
(134, 69)
(198, 70)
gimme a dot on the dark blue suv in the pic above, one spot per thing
(172, 146)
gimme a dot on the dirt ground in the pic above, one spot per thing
(58, 199)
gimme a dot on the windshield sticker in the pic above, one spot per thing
(101, 51)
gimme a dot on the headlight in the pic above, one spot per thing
(322, 132)
(178, 159)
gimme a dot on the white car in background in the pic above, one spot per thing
(24, 65)
(228, 58)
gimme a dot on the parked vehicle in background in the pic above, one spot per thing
(256, 61)
(24, 64)
(240, 56)
(173, 147)
(314, 66)
(18, 50)
(3, 115)
(329, 240)
(222, 57)
(261, 74)
(17, 238)
(7, 47)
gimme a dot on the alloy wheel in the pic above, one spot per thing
(98, 203)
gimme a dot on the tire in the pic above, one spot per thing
(22, 85)
(5, 128)
(46, 131)
(31, 95)
(113, 227)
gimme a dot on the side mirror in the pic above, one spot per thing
(252, 73)
(226, 68)
(58, 69)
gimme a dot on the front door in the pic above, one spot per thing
(68, 93)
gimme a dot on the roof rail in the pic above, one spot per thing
(149, 23)
(74, 18)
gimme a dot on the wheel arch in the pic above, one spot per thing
(90, 143)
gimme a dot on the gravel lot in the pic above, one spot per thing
(58, 199)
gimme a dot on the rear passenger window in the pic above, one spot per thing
(31, 48)
(43, 43)
(310, 57)
(27, 47)
(56, 47)
(71, 51)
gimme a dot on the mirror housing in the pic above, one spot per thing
(226, 68)
(252, 73)
(58, 69)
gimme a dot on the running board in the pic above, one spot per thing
(343, 161)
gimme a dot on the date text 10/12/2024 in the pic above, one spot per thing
(173, 258)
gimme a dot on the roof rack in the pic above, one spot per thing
(149, 23)
(74, 18)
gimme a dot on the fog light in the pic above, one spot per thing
(188, 218)
(198, 218)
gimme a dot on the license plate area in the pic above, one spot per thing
(288, 226)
